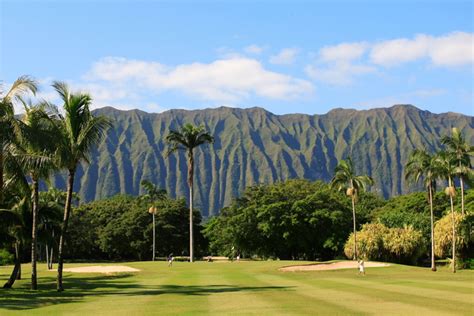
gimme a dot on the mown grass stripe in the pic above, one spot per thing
(355, 300)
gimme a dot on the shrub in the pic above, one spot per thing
(375, 241)
(444, 234)
(5, 257)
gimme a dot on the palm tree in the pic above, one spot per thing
(38, 147)
(16, 218)
(8, 123)
(52, 204)
(447, 164)
(154, 194)
(422, 165)
(78, 132)
(457, 145)
(188, 138)
(345, 178)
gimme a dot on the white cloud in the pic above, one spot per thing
(339, 64)
(454, 49)
(339, 73)
(342, 52)
(285, 57)
(254, 49)
(226, 80)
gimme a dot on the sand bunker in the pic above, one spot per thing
(332, 266)
(101, 269)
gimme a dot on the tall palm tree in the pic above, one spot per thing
(38, 149)
(422, 165)
(458, 146)
(448, 166)
(154, 194)
(345, 178)
(8, 122)
(78, 132)
(188, 138)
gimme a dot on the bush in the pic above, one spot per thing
(375, 241)
(6, 257)
(444, 235)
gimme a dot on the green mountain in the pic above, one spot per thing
(255, 146)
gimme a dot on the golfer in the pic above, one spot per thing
(170, 260)
(361, 267)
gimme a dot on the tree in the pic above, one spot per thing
(51, 206)
(345, 178)
(422, 165)
(78, 132)
(8, 122)
(38, 147)
(154, 194)
(447, 165)
(188, 138)
(462, 152)
(16, 218)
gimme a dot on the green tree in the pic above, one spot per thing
(153, 195)
(8, 122)
(16, 221)
(78, 131)
(462, 152)
(345, 178)
(447, 165)
(422, 165)
(37, 159)
(187, 139)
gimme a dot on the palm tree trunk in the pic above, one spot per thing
(51, 258)
(461, 183)
(1, 174)
(18, 255)
(47, 255)
(433, 264)
(454, 228)
(34, 233)
(16, 270)
(67, 211)
(190, 183)
(154, 240)
(354, 224)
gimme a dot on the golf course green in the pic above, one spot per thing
(246, 287)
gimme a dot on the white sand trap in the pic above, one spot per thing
(101, 269)
(333, 266)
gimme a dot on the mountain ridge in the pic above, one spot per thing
(256, 146)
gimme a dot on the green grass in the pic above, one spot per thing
(258, 288)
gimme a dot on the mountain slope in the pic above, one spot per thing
(254, 146)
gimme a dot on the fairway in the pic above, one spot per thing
(258, 288)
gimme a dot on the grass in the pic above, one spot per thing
(258, 288)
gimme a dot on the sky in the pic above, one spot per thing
(284, 56)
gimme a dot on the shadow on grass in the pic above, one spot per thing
(77, 289)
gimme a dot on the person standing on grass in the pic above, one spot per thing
(170, 260)
(361, 267)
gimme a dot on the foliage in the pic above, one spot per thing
(120, 228)
(5, 257)
(292, 219)
(444, 234)
(376, 241)
(411, 209)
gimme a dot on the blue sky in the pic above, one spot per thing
(287, 57)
